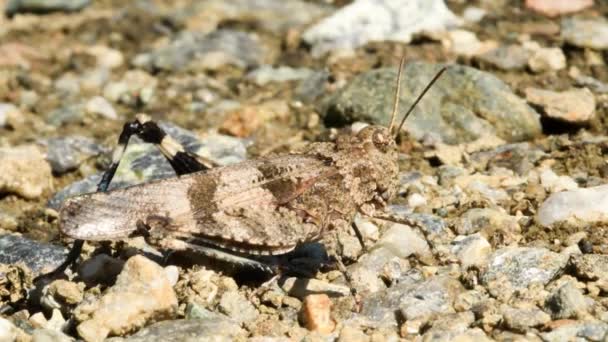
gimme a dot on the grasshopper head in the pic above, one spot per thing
(381, 167)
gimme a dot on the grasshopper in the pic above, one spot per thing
(239, 213)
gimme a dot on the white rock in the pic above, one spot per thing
(172, 273)
(106, 57)
(24, 171)
(574, 105)
(587, 205)
(8, 332)
(554, 183)
(99, 105)
(5, 110)
(547, 59)
(472, 250)
(465, 43)
(142, 292)
(473, 14)
(363, 21)
(404, 241)
(416, 200)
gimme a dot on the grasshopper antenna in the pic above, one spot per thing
(428, 86)
(397, 93)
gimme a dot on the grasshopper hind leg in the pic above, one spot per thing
(182, 162)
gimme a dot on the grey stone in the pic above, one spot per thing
(522, 266)
(215, 329)
(387, 258)
(578, 331)
(591, 266)
(36, 255)
(433, 296)
(44, 6)
(522, 319)
(507, 57)
(522, 157)
(413, 297)
(312, 87)
(590, 33)
(237, 307)
(487, 221)
(67, 153)
(269, 15)
(567, 301)
(143, 162)
(205, 51)
(474, 334)
(71, 113)
(580, 205)
(464, 105)
(363, 21)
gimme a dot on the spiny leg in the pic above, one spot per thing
(181, 161)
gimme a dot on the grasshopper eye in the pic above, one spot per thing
(380, 139)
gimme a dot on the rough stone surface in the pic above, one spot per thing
(591, 266)
(24, 171)
(546, 59)
(507, 57)
(522, 266)
(142, 292)
(522, 319)
(591, 33)
(584, 205)
(464, 105)
(573, 331)
(67, 153)
(215, 329)
(275, 16)
(205, 51)
(414, 297)
(567, 301)
(37, 256)
(472, 250)
(365, 20)
(237, 307)
(574, 105)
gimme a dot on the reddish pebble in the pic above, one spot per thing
(553, 8)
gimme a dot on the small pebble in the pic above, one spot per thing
(574, 105)
(99, 105)
(24, 171)
(316, 314)
(554, 8)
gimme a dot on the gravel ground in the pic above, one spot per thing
(502, 165)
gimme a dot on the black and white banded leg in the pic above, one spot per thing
(182, 162)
